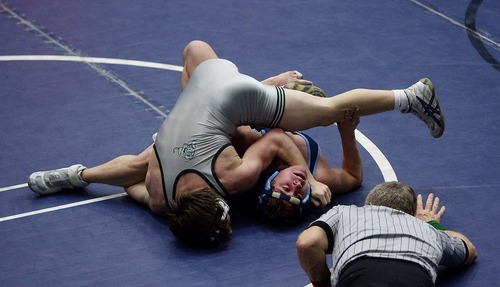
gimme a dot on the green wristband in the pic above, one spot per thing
(437, 225)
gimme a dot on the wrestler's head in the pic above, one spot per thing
(201, 218)
(285, 195)
(291, 181)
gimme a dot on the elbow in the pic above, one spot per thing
(471, 249)
(276, 134)
(278, 139)
(359, 175)
(304, 244)
(472, 254)
(359, 180)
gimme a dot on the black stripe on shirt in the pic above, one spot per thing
(329, 234)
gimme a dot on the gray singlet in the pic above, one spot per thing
(216, 100)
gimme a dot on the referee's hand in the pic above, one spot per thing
(431, 211)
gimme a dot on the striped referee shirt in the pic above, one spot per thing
(382, 232)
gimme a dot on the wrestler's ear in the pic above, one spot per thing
(272, 185)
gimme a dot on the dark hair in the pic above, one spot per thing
(277, 211)
(195, 218)
(395, 195)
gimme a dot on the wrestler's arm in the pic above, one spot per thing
(245, 136)
(350, 175)
(139, 193)
(275, 144)
(261, 154)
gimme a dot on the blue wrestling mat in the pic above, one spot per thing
(84, 82)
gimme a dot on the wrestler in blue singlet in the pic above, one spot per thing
(313, 155)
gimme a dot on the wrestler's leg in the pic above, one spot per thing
(303, 111)
(195, 53)
(124, 171)
(139, 193)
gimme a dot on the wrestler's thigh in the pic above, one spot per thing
(304, 111)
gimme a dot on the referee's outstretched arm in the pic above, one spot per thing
(472, 252)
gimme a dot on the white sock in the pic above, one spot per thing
(401, 100)
(79, 176)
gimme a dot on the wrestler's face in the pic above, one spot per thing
(291, 181)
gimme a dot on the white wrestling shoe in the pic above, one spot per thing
(51, 181)
(423, 103)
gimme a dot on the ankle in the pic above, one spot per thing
(80, 176)
(401, 101)
(75, 175)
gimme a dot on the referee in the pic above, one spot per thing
(391, 241)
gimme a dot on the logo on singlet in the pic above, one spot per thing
(187, 150)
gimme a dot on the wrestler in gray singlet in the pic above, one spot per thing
(216, 100)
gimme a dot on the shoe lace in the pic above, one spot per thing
(429, 110)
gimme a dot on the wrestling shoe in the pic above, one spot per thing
(423, 103)
(312, 90)
(51, 181)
